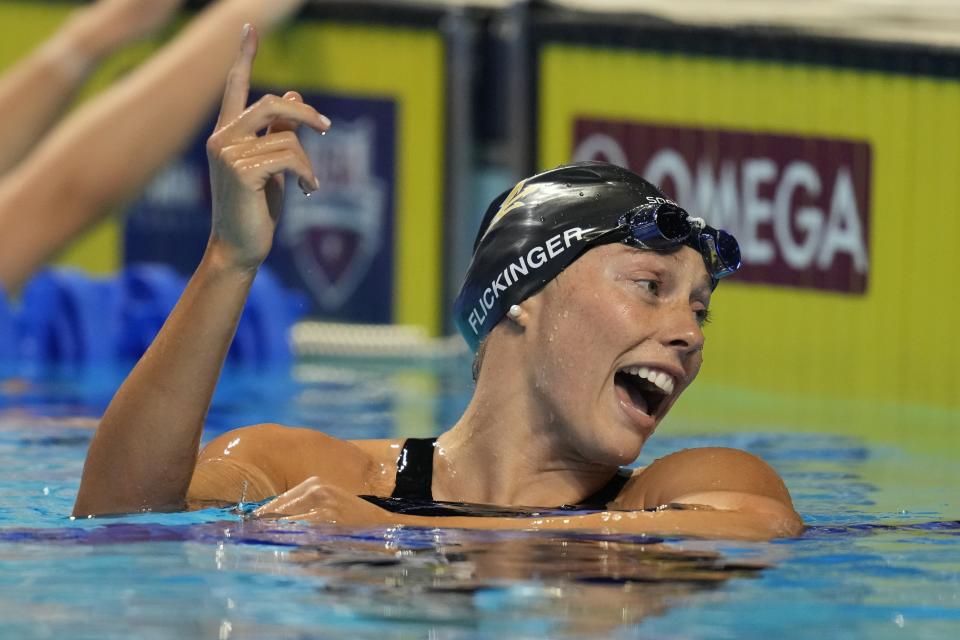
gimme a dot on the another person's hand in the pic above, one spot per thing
(314, 501)
(109, 24)
(246, 169)
(265, 13)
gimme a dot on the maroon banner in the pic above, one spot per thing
(799, 206)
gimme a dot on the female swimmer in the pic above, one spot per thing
(585, 297)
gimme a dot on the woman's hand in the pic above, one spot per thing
(314, 501)
(246, 169)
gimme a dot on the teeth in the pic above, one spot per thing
(663, 381)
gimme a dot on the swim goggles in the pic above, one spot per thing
(665, 227)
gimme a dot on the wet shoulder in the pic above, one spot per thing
(382, 451)
(694, 471)
(293, 454)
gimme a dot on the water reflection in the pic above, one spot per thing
(517, 584)
(582, 584)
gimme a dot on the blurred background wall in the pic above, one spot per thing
(824, 134)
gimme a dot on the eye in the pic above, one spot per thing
(651, 286)
(703, 316)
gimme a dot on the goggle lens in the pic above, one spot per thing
(721, 251)
(657, 227)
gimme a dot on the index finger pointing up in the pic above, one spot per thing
(238, 80)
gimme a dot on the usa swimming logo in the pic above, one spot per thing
(335, 234)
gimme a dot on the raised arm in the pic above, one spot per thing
(49, 76)
(145, 449)
(107, 149)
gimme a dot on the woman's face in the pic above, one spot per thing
(612, 342)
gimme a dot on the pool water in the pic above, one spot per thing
(881, 557)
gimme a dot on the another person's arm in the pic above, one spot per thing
(145, 448)
(710, 493)
(108, 148)
(35, 90)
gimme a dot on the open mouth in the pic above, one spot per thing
(647, 388)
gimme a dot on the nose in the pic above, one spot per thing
(680, 329)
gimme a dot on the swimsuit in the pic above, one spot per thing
(413, 493)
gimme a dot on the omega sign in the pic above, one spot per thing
(799, 206)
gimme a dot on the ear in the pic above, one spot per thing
(520, 315)
(514, 322)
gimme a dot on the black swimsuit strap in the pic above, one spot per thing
(415, 476)
(415, 470)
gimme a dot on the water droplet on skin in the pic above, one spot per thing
(596, 196)
(323, 133)
(581, 194)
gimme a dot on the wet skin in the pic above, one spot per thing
(616, 306)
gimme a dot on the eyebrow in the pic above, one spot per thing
(705, 288)
(633, 253)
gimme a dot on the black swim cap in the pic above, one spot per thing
(534, 231)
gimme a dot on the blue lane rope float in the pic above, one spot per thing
(65, 317)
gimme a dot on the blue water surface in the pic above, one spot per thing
(880, 559)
